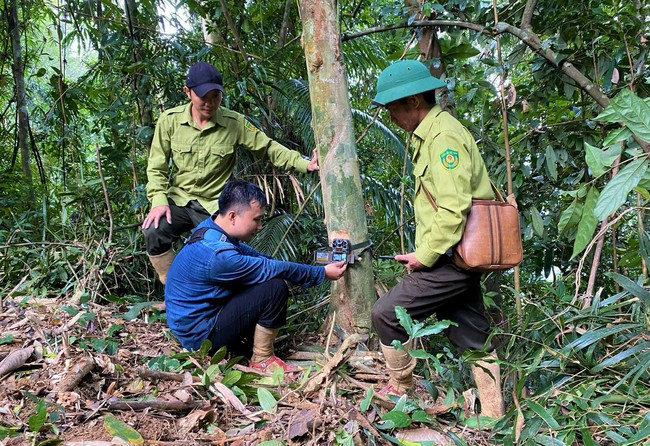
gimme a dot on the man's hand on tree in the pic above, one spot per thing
(313, 163)
(155, 214)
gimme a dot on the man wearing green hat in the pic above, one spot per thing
(449, 171)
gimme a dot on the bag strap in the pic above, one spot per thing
(429, 196)
(497, 194)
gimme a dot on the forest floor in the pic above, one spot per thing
(112, 374)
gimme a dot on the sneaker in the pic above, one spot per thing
(272, 363)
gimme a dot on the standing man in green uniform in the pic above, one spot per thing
(449, 169)
(193, 155)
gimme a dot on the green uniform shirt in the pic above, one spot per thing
(189, 163)
(446, 161)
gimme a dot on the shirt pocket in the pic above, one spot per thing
(222, 150)
(183, 155)
(220, 159)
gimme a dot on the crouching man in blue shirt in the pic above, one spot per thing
(221, 289)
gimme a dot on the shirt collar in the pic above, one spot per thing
(217, 119)
(424, 128)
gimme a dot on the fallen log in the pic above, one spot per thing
(74, 377)
(155, 404)
(164, 376)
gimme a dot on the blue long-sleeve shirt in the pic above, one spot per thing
(214, 268)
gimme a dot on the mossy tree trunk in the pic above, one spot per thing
(353, 295)
(18, 70)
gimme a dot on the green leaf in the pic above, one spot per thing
(619, 357)
(538, 223)
(267, 400)
(644, 246)
(7, 432)
(6, 339)
(116, 427)
(421, 354)
(599, 161)
(570, 217)
(546, 440)
(37, 420)
(404, 319)
(587, 223)
(395, 419)
(616, 136)
(635, 113)
(437, 327)
(420, 416)
(543, 414)
(219, 355)
(592, 336)
(616, 191)
(461, 51)
(551, 162)
(212, 372)
(272, 443)
(231, 378)
(631, 287)
(365, 404)
(587, 439)
(136, 309)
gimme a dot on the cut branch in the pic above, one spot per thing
(80, 369)
(159, 405)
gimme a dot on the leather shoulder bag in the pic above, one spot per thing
(491, 240)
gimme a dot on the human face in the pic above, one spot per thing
(204, 108)
(405, 114)
(248, 221)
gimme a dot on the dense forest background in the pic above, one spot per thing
(558, 91)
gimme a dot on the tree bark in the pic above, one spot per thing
(18, 71)
(353, 295)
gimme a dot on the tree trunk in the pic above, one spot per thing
(18, 70)
(353, 295)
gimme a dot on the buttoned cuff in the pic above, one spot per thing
(426, 257)
(159, 200)
(301, 165)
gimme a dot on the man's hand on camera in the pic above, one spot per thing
(334, 271)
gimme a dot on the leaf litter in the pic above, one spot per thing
(95, 377)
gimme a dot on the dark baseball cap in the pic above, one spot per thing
(202, 78)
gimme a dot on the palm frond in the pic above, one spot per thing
(273, 236)
(381, 132)
(292, 100)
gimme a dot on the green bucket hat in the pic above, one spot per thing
(403, 79)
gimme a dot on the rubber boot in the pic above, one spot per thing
(263, 357)
(487, 376)
(400, 367)
(161, 264)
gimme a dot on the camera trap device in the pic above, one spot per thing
(341, 252)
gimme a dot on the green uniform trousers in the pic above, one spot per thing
(444, 290)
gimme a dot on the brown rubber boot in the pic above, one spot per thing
(263, 357)
(400, 367)
(161, 264)
(487, 376)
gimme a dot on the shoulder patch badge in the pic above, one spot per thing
(250, 127)
(450, 159)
